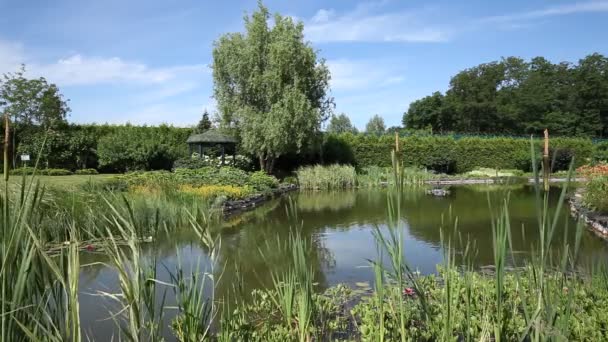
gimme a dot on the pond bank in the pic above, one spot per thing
(467, 181)
(232, 207)
(598, 223)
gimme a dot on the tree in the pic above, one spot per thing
(270, 86)
(375, 125)
(427, 112)
(513, 96)
(205, 123)
(340, 124)
(31, 102)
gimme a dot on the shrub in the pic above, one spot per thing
(213, 191)
(24, 171)
(327, 177)
(260, 181)
(240, 162)
(596, 194)
(55, 172)
(212, 176)
(42, 172)
(86, 172)
(290, 180)
(600, 152)
(591, 171)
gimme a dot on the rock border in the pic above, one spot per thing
(596, 222)
(499, 180)
(250, 202)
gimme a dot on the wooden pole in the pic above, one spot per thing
(546, 166)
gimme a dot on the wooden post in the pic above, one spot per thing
(546, 166)
(223, 153)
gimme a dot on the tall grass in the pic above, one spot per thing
(321, 177)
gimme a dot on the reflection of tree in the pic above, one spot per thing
(325, 200)
(250, 255)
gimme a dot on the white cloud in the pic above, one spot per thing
(81, 70)
(351, 75)
(78, 70)
(363, 24)
(573, 8)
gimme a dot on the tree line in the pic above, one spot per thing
(514, 96)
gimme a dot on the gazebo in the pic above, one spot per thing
(210, 139)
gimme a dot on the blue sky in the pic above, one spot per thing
(147, 62)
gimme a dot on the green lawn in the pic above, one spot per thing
(62, 181)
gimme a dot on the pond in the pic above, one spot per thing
(340, 225)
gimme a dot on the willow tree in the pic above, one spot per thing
(270, 86)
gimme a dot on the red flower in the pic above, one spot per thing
(90, 248)
(408, 291)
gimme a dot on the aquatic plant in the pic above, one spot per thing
(321, 177)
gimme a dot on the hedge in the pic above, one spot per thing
(453, 155)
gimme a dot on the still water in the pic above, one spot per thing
(340, 226)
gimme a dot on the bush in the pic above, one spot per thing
(213, 191)
(55, 172)
(24, 171)
(596, 194)
(42, 172)
(240, 162)
(260, 181)
(327, 177)
(86, 172)
(600, 152)
(213, 176)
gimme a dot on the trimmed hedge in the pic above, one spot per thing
(41, 172)
(453, 155)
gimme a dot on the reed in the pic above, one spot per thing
(321, 177)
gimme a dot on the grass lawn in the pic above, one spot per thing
(62, 181)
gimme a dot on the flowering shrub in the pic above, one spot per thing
(196, 162)
(590, 171)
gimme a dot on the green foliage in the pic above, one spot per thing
(600, 152)
(42, 172)
(32, 102)
(205, 123)
(86, 172)
(55, 172)
(340, 124)
(240, 162)
(375, 125)
(371, 176)
(473, 318)
(129, 148)
(320, 177)
(596, 194)
(449, 154)
(513, 96)
(205, 176)
(260, 181)
(270, 86)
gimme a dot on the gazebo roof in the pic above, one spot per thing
(211, 136)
